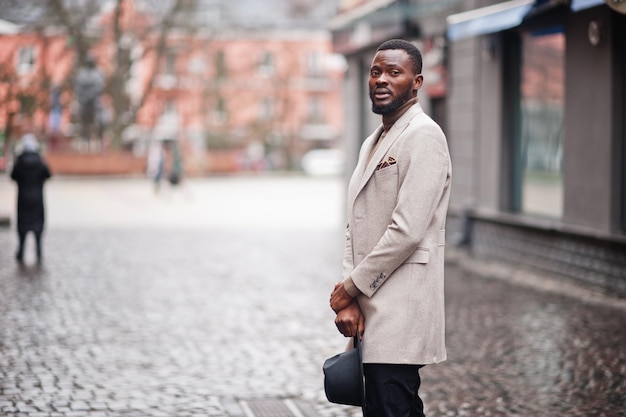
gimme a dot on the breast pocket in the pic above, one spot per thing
(387, 171)
(386, 186)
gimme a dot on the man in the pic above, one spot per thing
(398, 196)
(88, 87)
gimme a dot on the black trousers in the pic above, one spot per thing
(22, 239)
(392, 390)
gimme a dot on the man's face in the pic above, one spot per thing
(392, 80)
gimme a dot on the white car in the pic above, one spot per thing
(324, 162)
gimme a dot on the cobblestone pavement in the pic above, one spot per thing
(211, 300)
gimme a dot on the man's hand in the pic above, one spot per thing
(340, 299)
(350, 319)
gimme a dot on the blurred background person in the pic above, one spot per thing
(30, 171)
(156, 164)
(175, 164)
(88, 87)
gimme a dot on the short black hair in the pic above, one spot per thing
(414, 54)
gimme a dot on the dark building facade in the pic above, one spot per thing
(532, 98)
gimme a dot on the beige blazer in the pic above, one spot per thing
(397, 206)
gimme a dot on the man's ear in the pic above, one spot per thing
(417, 82)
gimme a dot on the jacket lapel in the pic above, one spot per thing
(370, 167)
(355, 181)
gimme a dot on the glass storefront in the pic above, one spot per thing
(542, 95)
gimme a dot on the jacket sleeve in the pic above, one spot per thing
(348, 254)
(421, 185)
(348, 263)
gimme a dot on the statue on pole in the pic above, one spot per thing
(88, 87)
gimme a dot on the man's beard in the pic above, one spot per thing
(390, 107)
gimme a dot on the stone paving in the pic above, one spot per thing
(212, 300)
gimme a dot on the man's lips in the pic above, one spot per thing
(382, 94)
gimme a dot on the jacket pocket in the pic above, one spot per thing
(388, 170)
(420, 256)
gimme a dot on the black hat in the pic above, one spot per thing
(343, 376)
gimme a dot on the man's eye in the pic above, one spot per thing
(395, 73)
(374, 73)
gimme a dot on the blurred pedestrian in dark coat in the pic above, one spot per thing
(88, 87)
(30, 172)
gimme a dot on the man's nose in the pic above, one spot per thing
(381, 80)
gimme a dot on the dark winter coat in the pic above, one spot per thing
(30, 172)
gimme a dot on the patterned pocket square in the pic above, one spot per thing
(387, 162)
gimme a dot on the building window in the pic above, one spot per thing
(196, 65)
(220, 115)
(26, 60)
(266, 64)
(315, 110)
(267, 109)
(539, 150)
(314, 63)
(220, 64)
(169, 107)
(167, 78)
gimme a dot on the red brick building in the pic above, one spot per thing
(263, 96)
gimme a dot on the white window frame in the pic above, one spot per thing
(26, 59)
